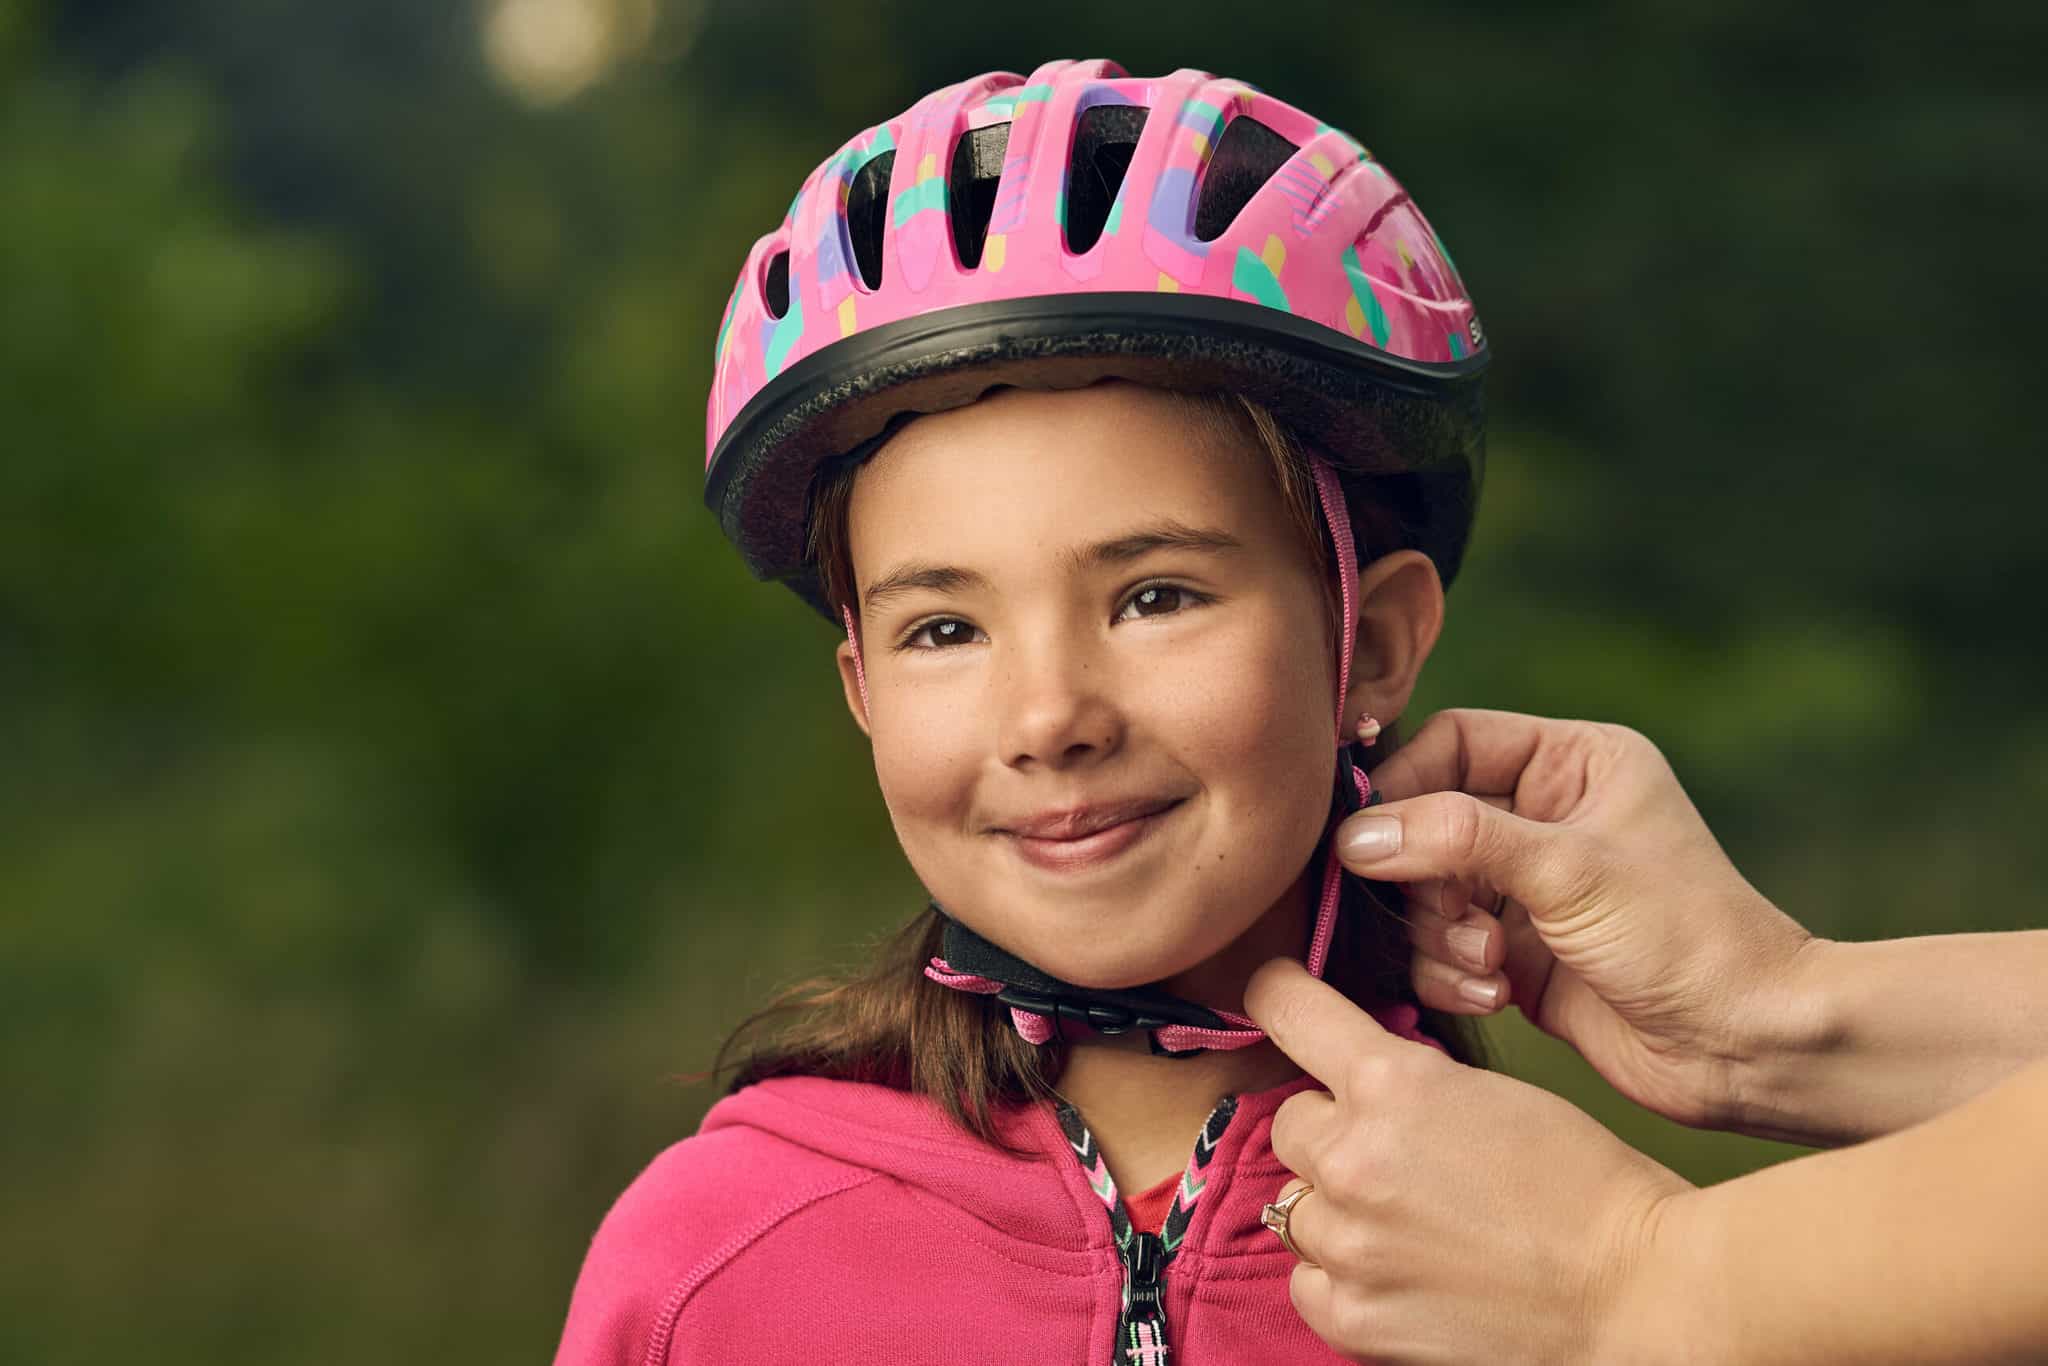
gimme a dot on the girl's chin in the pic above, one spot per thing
(1117, 981)
(1132, 945)
(1122, 974)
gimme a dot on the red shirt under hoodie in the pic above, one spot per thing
(813, 1220)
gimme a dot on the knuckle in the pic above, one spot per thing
(1354, 1319)
(1627, 738)
(1450, 719)
(1628, 751)
(1348, 1172)
(1431, 988)
(1465, 827)
(1355, 1251)
(1430, 969)
(1405, 1077)
(1367, 1074)
(1453, 824)
(1298, 1292)
(1620, 733)
(1288, 1016)
(1282, 1138)
(1414, 1068)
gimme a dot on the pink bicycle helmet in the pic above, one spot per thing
(1187, 232)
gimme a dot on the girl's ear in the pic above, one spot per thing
(1400, 612)
(849, 680)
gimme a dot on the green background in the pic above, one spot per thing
(401, 783)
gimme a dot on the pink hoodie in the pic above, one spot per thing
(813, 1220)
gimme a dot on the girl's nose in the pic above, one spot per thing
(1056, 709)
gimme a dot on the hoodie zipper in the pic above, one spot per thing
(1141, 1326)
(1141, 1319)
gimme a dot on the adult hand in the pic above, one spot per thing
(1458, 1214)
(1617, 923)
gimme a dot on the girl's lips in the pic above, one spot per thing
(1064, 856)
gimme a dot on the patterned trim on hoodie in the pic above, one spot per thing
(1141, 1322)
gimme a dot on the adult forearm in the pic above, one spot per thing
(1873, 1037)
(1925, 1246)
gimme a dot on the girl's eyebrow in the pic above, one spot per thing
(1164, 534)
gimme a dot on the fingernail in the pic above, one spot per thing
(1480, 992)
(1367, 838)
(1469, 943)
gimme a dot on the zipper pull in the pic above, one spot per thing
(1142, 1330)
(1144, 1265)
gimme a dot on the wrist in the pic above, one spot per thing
(1790, 1023)
(1656, 1309)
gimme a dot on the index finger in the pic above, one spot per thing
(1465, 749)
(1311, 1021)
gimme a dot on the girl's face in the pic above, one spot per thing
(1088, 608)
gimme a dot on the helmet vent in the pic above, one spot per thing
(1246, 156)
(977, 170)
(867, 206)
(1103, 143)
(775, 284)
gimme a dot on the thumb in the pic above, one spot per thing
(1547, 866)
(1311, 1021)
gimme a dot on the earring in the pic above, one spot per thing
(1368, 731)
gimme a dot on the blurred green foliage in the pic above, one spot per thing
(401, 781)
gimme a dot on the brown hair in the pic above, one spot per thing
(888, 1023)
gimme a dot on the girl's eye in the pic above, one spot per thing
(1158, 600)
(1153, 600)
(943, 633)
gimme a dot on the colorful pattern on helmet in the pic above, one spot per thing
(1330, 236)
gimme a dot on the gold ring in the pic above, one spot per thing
(1275, 1217)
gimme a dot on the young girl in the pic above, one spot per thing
(1129, 429)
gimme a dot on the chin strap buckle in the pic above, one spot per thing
(1102, 1017)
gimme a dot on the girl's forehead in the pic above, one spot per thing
(1079, 459)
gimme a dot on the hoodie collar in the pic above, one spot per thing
(1044, 1197)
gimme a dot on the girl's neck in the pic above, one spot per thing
(1145, 1110)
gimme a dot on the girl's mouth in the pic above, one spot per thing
(1090, 850)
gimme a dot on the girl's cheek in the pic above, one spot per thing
(1251, 697)
(1273, 741)
(925, 763)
